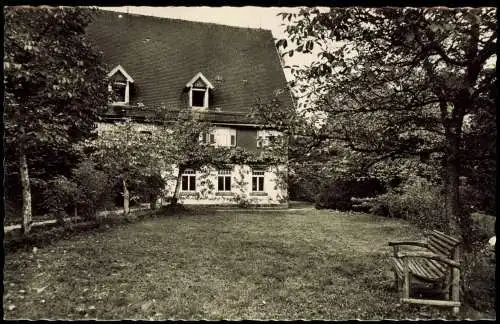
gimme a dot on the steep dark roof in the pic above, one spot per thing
(162, 55)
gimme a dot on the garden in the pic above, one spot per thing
(234, 264)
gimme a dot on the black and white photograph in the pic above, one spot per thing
(249, 162)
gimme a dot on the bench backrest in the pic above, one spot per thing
(443, 244)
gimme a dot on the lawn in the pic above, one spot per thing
(303, 264)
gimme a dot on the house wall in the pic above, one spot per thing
(245, 137)
(275, 189)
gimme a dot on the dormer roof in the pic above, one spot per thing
(196, 78)
(120, 69)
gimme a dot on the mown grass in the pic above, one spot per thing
(305, 264)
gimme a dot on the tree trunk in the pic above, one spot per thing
(26, 194)
(175, 197)
(452, 180)
(126, 198)
(452, 196)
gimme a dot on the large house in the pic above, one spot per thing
(159, 67)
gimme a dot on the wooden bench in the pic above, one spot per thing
(436, 262)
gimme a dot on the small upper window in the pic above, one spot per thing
(119, 86)
(119, 91)
(199, 91)
(198, 97)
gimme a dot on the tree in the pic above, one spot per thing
(125, 153)
(190, 147)
(396, 82)
(54, 82)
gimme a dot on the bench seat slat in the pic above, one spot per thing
(417, 268)
(436, 267)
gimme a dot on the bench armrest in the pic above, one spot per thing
(429, 255)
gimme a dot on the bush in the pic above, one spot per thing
(416, 200)
(150, 188)
(478, 277)
(60, 195)
(95, 188)
(338, 194)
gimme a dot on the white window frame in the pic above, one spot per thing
(205, 97)
(206, 89)
(128, 81)
(224, 174)
(259, 175)
(208, 138)
(189, 173)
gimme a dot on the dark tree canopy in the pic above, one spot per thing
(54, 83)
(54, 79)
(396, 82)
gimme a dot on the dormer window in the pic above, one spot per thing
(199, 90)
(119, 85)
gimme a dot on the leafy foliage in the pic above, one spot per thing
(54, 82)
(393, 82)
(54, 78)
(416, 200)
(94, 188)
(61, 194)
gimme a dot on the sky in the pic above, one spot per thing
(248, 16)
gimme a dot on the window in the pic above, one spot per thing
(257, 180)
(233, 140)
(120, 85)
(199, 88)
(224, 180)
(189, 180)
(119, 91)
(207, 138)
(198, 97)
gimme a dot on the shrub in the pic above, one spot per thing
(95, 189)
(338, 193)
(416, 200)
(150, 188)
(60, 195)
(478, 277)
